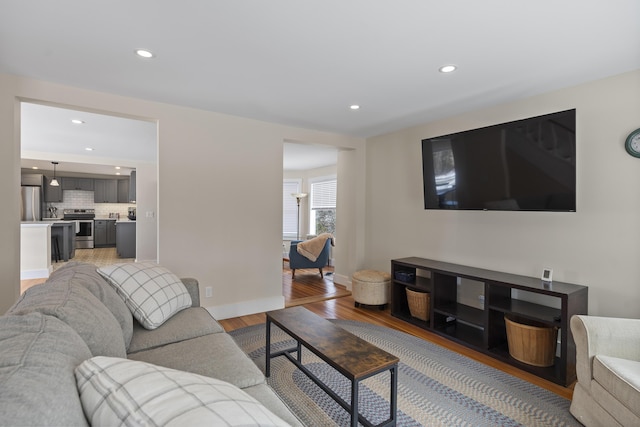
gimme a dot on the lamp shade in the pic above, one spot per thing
(54, 182)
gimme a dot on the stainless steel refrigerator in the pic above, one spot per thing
(31, 207)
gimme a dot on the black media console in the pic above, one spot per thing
(483, 328)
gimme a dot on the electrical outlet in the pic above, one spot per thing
(208, 292)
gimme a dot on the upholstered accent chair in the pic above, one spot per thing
(608, 368)
(297, 261)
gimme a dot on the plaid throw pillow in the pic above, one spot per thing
(118, 392)
(151, 292)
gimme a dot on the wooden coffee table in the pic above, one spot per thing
(350, 355)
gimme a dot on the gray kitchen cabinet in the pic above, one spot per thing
(126, 239)
(111, 232)
(52, 194)
(99, 233)
(104, 231)
(132, 187)
(105, 191)
(84, 184)
(123, 191)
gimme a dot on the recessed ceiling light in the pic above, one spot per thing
(118, 167)
(355, 107)
(144, 53)
(447, 68)
(77, 121)
(89, 149)
(117, 173)
(34, 167)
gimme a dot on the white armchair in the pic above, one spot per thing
(608, 368)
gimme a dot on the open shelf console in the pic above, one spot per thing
(479, 323)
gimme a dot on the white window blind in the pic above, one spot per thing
(323, 194)
(290, 208)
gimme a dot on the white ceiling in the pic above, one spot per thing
(306, 156)
(47, 134)
(303, 63)
(118, 144)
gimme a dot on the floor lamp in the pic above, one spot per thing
(298, 196)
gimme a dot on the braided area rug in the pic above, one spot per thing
(436, 387)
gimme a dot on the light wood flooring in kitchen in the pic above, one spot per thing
(99, 256)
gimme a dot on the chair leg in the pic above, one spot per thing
(293, 274)
(321, 273)
(55, 248)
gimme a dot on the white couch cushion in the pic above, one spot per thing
(621, 378)
(152, 293)
(117, 391)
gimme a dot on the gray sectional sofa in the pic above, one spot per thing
(75, 316)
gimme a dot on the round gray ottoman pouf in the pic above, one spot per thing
(371, 287)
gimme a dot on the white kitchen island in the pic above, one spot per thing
(35, 250)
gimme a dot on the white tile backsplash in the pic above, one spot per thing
(77, 199)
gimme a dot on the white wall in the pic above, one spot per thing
(596, 246)
(147, 201)
(219, 197)
(351, 217)
(35, 250)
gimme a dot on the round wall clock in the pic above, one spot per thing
(632, 144)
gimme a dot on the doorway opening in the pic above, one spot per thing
(310, 177)
(88, 146)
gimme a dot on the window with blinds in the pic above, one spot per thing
(323, 206)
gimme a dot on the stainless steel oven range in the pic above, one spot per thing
(84, 225)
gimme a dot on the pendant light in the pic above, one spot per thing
(54, 182)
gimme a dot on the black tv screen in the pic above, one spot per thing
(524, 165)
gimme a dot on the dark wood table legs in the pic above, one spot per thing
(318, 336)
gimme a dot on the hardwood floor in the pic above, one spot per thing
(343, 308)
(308, 286)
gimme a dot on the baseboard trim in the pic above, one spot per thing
(41, 273)
(245, 308)
(341, 279)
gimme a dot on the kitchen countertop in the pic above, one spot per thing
(63, 229)
(54, 220)
(47, 223)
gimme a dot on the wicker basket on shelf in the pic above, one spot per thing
(418, 304)
(530, 342)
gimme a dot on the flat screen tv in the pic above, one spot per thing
(524, 165)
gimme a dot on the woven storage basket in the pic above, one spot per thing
(418, 304)
(531, 343)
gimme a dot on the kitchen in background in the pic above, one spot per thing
(93, 212)
(95, 148)
(103, 211)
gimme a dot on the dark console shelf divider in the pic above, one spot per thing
(484, 329)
